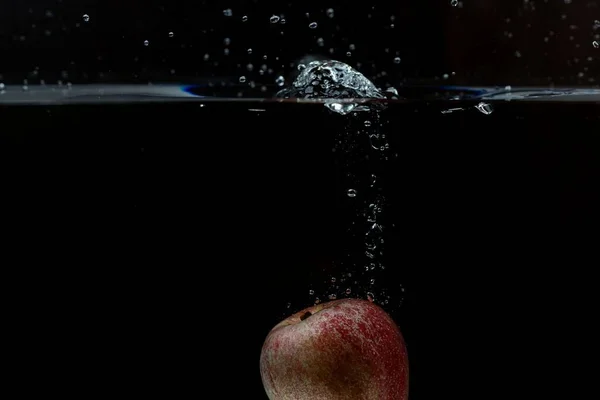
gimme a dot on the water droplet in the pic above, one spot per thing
(274, 19)
(242, 79)
(312, 25)
(171, 34)
(330, 12)
(146, 43)
(484, 108)
(86, 18)
(228, 12)
(351, 193)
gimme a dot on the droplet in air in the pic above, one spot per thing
(312, 25)
(86, 18)
(351, 193)
(274, 19)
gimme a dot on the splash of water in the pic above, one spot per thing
(361, 150)
(333, 81)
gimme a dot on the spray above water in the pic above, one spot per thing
(333, 81)
(361, 150)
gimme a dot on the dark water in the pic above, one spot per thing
(149, 248)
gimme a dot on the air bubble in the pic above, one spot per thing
(484, 108)
(595, 44)
(330, 13)
(86, 18)
(274, 19)
(280, 81)
(397, 60)
(244, 18)
(242, 79)
(454, 3)
(228, 12)
(348, 291)
(146, 43)
(351, 193)
(312, 25)
(171, 34)
(311, 292)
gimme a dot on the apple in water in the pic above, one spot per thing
(343, 349)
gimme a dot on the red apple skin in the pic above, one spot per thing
(347, 349)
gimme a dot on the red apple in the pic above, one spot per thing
(347, 349)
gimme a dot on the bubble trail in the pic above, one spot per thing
(361, 152)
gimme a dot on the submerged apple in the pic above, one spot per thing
(344, 349)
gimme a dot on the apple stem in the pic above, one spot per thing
(305, 315)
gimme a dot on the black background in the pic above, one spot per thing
(483, 43)
(150, 248)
